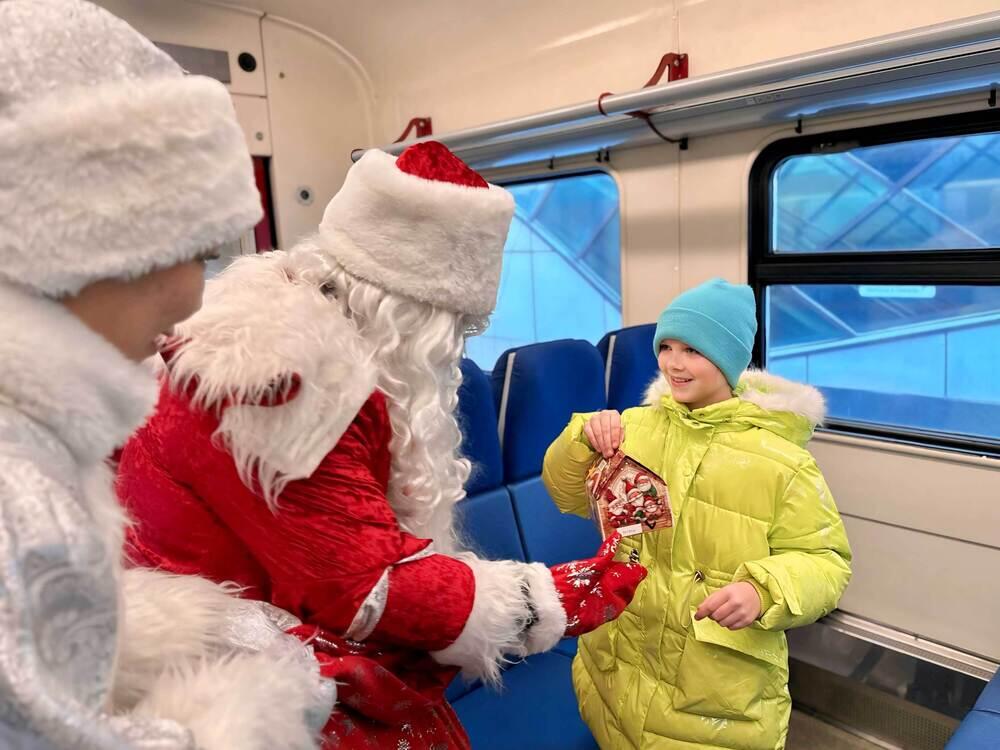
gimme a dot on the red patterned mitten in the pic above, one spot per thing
(597, 590)
(576, 597)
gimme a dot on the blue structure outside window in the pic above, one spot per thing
(921, 356)
(561, 268)
(930, 194)
(891, 355)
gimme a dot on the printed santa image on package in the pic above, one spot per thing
(627, 498)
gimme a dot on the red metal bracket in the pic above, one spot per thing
(422, 125)
(675, 65)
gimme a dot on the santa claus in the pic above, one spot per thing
(305, 446)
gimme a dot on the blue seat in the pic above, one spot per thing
(547, 535)
(540, 387)
(477, 418)
(536, 709)
(485, 518)
(486, 525)
(980, 730)
(629, 364)
(567, 646)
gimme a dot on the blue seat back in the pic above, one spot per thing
(629, 365)
(540, 387)
(980, 730)
(485, 520)
(547, 535)
(477, 418)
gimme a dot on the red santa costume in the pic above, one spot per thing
(305, 447)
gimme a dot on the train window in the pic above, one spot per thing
(561, 266)
(876, 258)
(930, 194)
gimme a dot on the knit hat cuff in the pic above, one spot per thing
(709, 337)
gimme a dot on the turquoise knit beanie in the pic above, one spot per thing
(718, 319)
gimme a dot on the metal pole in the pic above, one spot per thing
(885, 52)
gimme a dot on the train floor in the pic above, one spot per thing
(807, 732)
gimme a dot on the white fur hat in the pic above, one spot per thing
(113, 162)
(425, 226)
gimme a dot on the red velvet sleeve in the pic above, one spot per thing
(172, 527)
(335, 534)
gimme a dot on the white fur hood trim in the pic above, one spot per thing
(770, 392)
(266, 322)
(68, 378)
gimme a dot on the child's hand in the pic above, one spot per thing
(605, 432)
(734, 606)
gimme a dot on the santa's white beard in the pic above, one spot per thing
(418, 349)
(427, 477)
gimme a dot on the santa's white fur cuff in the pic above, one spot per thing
(550, 617)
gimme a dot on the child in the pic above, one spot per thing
(699, 659)
(119, 175)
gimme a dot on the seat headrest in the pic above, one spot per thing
(629, 364)
(477, 418)
(540, 387)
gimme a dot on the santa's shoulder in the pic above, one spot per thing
(265, 333)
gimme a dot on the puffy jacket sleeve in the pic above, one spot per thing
(335, 554)
(564, 470)
(810, 562)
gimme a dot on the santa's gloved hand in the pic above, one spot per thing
(597, 590)
(589, 593)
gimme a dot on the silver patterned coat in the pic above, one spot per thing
(66, 399)
(91, 657)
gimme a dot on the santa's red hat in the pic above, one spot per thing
(423, 225)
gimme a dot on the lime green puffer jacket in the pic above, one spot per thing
(749, 504)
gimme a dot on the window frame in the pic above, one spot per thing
(566, 173)
(961, 267)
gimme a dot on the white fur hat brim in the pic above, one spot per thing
(119, 179)
(436, 242)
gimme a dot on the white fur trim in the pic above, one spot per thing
(166, 620)
(436, 242)
(222, 666)
(550, 626)
(68, 378)
(264, 319)
(770, 392)
(249, 701)
(776, 394)
(97, 483)
(495, 628)
(117, 179)
(656, 390)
